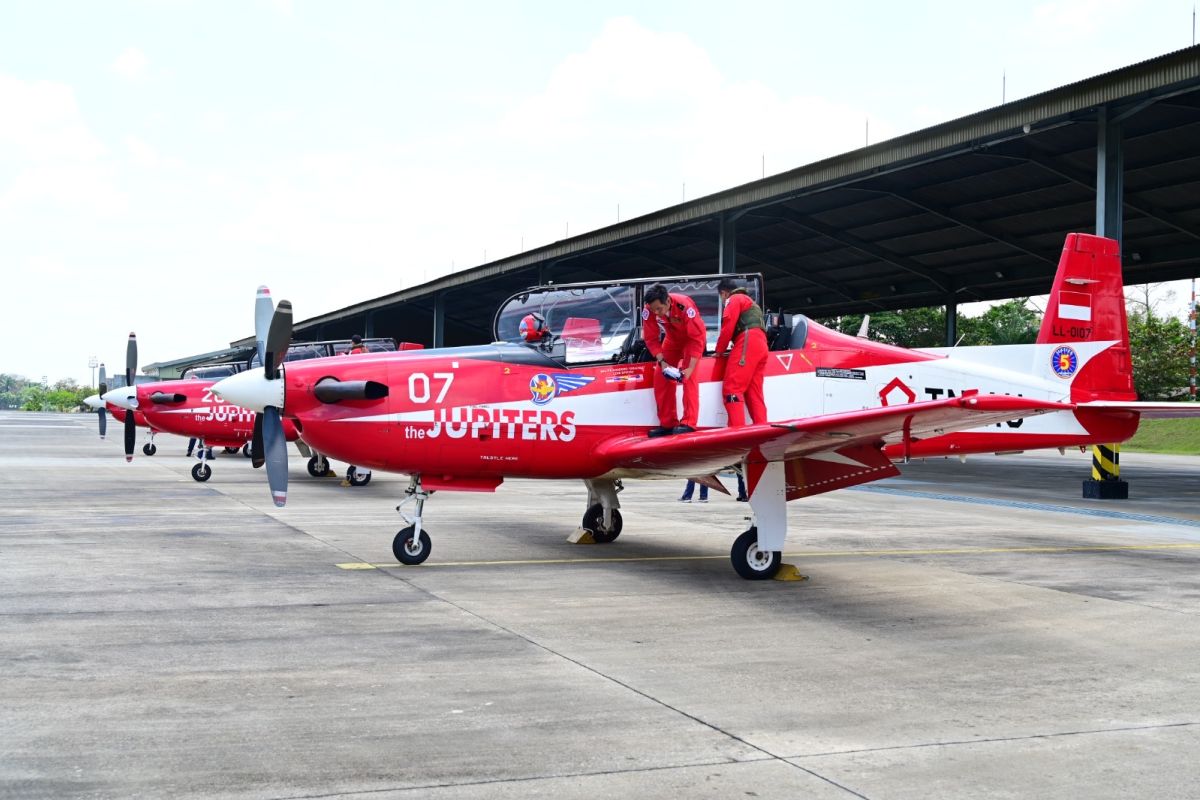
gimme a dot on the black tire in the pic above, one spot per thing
(314, 468)
(593, 519)
(409, 552)
(149, 449)
(355, 479)
(202, 472)
(750, 562)
(230, 450)
(246, 450)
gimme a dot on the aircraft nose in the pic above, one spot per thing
(125, 397)
(251, 389)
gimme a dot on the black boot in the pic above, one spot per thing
(656, 432)
(683, 429)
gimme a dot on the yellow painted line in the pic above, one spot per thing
(802, 554)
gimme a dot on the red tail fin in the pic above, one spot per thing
(1087, 308)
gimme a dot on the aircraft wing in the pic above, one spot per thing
(1147, 409)
(870, 428)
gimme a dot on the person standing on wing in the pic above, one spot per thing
(743, 325)
(677, 356)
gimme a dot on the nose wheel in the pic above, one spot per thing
(149, 448)
(201, 472)
(412, 545)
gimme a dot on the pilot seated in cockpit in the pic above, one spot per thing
(535, 331)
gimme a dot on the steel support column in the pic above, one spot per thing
(1110, 181)
(369, 325)
(951, 320)
(727, 244)
(439, 319)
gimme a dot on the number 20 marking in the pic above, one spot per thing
(418, 386)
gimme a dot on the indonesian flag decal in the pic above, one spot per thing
(1075, 305)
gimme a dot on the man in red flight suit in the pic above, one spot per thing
(679, 351)
(742, 323)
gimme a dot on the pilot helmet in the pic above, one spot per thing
(532, 327)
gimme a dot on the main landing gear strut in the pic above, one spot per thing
(412, 544)
(602, 519)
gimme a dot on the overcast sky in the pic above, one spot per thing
(160, 159)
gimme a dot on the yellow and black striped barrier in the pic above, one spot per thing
(1106, 483)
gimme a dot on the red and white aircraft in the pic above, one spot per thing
(189, 407)
(843, 408)
(103, 407)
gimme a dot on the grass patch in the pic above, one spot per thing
(1175, 436)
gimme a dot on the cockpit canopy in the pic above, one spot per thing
(592, 323)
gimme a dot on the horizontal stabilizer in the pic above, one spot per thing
(1147, 409)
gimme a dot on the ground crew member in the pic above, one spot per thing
(743, 324)
(356, 345)
(678, 353)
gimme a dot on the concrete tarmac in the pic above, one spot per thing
(967, 630)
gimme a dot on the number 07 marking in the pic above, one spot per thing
(418, 386)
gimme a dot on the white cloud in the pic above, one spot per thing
(52, 155)
(41, 122)
(131, 64)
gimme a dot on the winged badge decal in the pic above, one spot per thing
(544, 387)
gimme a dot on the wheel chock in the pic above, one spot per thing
(581, 536)
(788, 572)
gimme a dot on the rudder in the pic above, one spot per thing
(1086, 308)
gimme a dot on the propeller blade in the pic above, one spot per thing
(101, 412)
(167, 397)
(278, 338)
(257, 459)
(130, 359)
(130, 434)
(264, 309)
(331, 390)
(275, 445)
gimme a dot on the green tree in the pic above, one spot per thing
(1160, 349)
(1010, 322)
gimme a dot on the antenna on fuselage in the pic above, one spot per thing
(862, 329)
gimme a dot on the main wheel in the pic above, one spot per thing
(408, 551)
(593, 520)
(246, 450)
(230, 450)
(752, 563)
(202, 472)
(355, 479)
(149, 449)
(314, 468)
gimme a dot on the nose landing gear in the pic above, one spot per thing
(412, 545)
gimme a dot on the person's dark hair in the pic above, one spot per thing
(657, 294)
(726, 285)
(356, 339)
